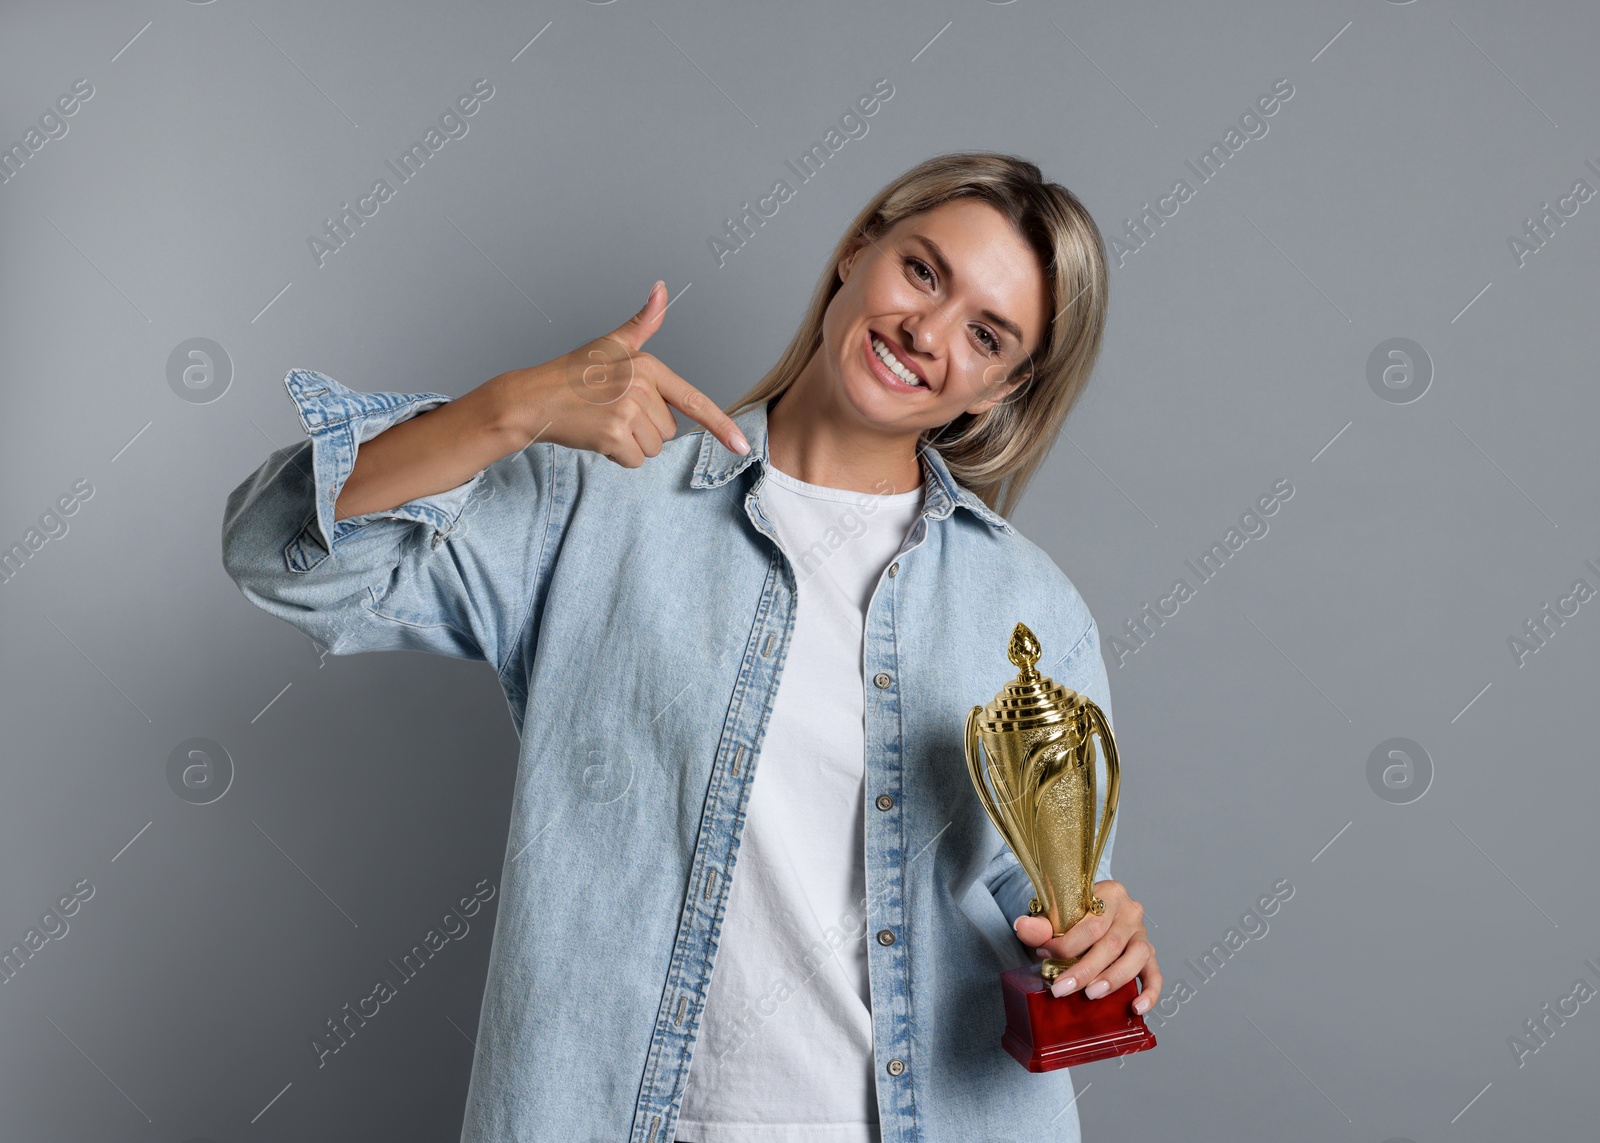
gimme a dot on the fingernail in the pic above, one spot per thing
(1016, 926)
(739, 442)
(1063, 986)
(1141, 1004)
(1096, 990)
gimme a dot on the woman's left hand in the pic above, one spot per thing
(1112, 948)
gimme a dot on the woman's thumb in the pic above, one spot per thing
(637, 329)
(1032, 930)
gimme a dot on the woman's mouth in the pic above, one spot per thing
(889, 369)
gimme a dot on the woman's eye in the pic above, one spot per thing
(917, 264)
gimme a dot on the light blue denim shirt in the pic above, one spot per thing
(638, 620)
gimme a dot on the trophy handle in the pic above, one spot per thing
(975, 769)
(1019, 845)
(1101, 726)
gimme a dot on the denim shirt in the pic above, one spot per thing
(638, 621)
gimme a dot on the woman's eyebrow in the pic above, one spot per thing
(943, 265)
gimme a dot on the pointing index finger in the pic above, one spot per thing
(702, 409)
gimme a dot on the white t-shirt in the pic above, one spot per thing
(785, 1045)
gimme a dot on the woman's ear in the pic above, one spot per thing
(996, 395)
(861, 239)
(852, 255)
(846, 262)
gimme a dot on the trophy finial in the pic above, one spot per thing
(1024, 651)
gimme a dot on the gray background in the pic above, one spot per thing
(368, 794)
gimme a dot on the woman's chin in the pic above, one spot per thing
(871, 401)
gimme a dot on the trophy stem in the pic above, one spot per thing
(1052, 967)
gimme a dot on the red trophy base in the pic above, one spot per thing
(1045, 1032)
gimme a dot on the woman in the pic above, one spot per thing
(642, 595)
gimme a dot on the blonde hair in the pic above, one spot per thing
(997, 452)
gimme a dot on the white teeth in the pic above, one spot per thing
(887, 356)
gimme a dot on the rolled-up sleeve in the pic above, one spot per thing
(452, 573)
(1084, 670)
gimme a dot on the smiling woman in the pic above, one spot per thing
(793, 808)
(1001, 280)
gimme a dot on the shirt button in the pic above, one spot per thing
(881, 680)
(885, 936)
(896, 1066)
(885, 802)
(894, 569)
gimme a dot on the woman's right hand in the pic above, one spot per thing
(612, 398)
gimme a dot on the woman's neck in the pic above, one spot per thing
(811, 439)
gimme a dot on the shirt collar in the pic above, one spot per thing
(719, 464)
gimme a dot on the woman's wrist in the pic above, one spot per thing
(516, 405)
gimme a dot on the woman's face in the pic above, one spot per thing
(956, 297)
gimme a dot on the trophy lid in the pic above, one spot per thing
(1031, 699)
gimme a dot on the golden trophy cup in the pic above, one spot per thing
(1039, 740)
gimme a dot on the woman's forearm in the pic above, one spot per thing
(433, 452)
